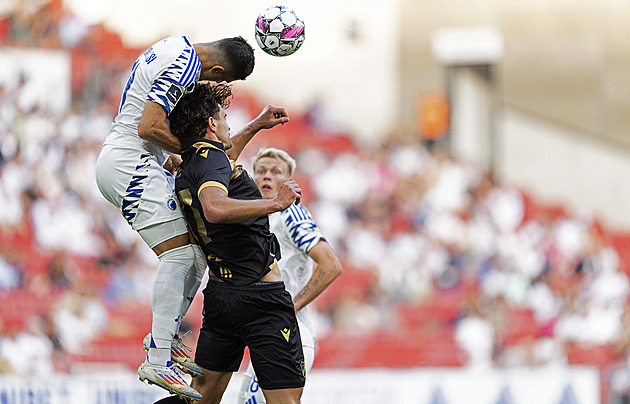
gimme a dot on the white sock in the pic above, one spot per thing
(168, 294)
(193, 281)
(159, 356)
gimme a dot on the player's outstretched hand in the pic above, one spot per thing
(289, 192)
(271, 116)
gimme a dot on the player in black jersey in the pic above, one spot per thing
(245, 301)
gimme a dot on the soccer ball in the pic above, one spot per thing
(279, 32)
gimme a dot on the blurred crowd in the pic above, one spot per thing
(404, 215)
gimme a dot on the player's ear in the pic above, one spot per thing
(212, 124)
(217, 69)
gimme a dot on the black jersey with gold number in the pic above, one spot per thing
(239, 253)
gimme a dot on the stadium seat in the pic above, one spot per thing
(592, 355)
(521, 325)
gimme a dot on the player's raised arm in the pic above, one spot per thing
(268, 118)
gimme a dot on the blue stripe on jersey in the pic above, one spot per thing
(190, 73)
(172, 71)
(187, 54)
(157, 87)
(304, 234)
(299, 212)
(188, 58)
(293, 213)
(302, 229)
(128, 85)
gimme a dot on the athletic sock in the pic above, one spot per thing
(168, 295)
(193, 281)
(159, 356)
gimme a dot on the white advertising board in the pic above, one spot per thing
(553, 385)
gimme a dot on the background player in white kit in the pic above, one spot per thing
(130, 174)
(301, 243)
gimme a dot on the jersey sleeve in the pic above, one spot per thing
(301, 228)
(213, 169)
(177, 79)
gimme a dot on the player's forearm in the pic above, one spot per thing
(323, 276)
(240, 140)
(230, 210)
(161, 137)
(153, 128)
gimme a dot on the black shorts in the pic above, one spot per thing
(260, 316)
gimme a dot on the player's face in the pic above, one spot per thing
(222, 130)
(269, 175)
(218, 75)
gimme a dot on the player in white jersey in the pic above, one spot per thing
(130, 173)
(301, 244)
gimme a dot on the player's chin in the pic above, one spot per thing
(268, 193)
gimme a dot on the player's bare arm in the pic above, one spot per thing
(327, 270)
(153, 128)
(219, 208)
(268, 118)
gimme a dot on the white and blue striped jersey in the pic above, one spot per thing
(298, 234)
(163, 74)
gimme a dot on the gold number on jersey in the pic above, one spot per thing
(186, 197)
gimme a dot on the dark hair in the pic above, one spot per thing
(190, 116)
(238, 55)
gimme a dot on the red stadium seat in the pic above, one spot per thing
(432, 347)
(521, 325)
(17, 306)
(592, 355)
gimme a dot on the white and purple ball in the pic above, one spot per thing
(279, 32)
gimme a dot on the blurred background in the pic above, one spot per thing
(467, 162)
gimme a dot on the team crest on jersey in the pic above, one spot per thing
(173, 94)
(171, 204)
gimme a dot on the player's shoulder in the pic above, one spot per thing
(170, 48)
(175, 42)
(205, 150)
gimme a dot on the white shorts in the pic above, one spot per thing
(134, 182)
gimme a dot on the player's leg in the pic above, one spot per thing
(176, 261)
(177, 266)
(219, 348)
(211, 385)
(135, 182)
(283, 396)
(193, 281)
(251, 393)
(278, 337)
(179, 351)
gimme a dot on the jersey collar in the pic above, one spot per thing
(188, 142)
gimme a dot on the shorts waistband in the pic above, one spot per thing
(259, 286)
